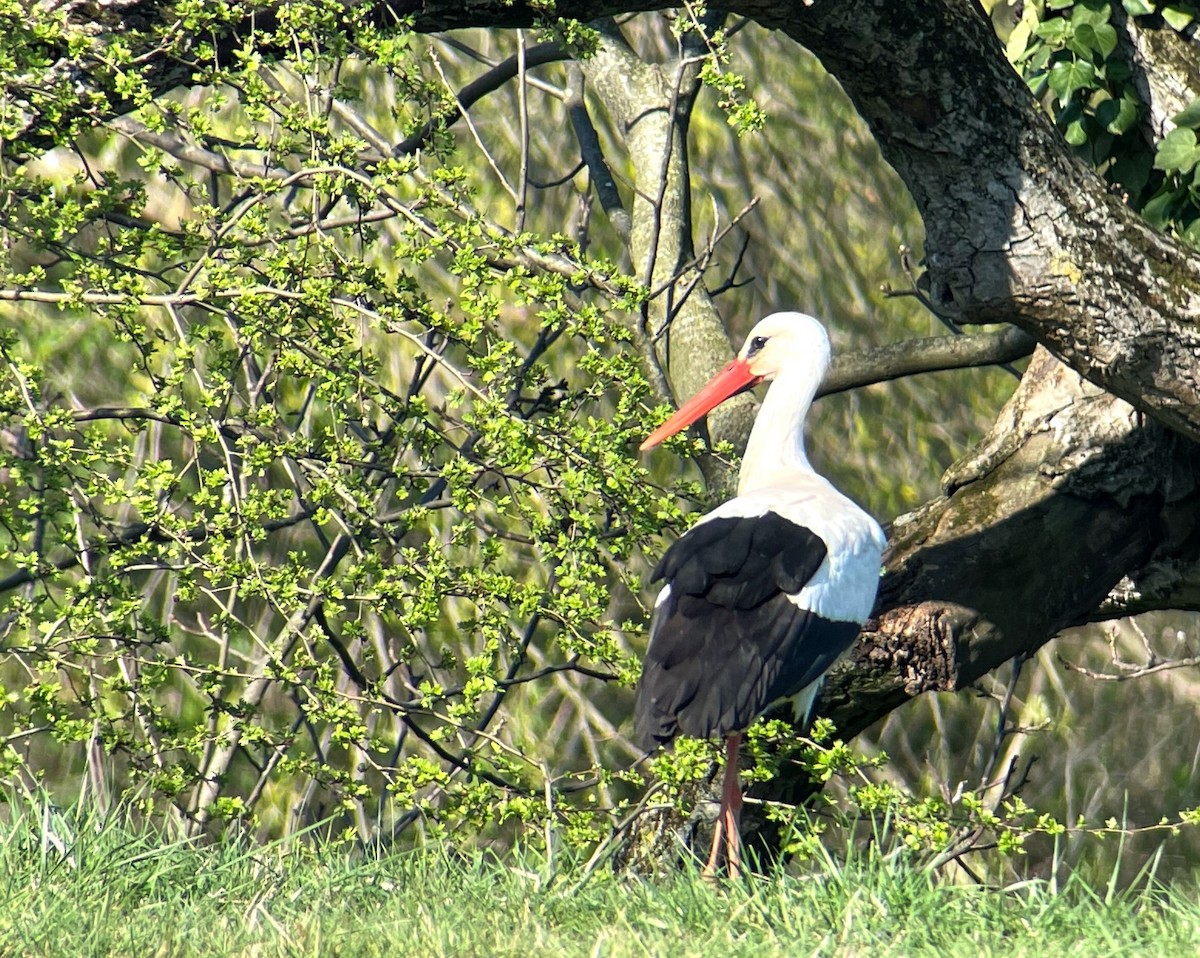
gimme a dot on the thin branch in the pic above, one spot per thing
(466, 118)
(537, 55)
(917, 284)
(558, 180)
(358, 123)
(523, 114)
(918, 290)
(175, 300)
(187, 152)
(699, 263)
(1126, 674)
(136, 532)
(733, 282)
(593, 155)
(1002, 727)
(97, 413)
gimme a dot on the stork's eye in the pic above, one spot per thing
(757, 343)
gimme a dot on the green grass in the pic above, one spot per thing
(128, 891)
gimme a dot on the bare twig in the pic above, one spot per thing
(1165, 665)
(181, 149)
(523, 119)
(916, 290)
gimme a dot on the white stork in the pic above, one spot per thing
(768, 590)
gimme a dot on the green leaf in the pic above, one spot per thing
(1179, 16)
(1117, 72)
(1131, 172)
(1177, 151)
(1018, 41)
(1076, 133)
(1091, 14)
(1158, 211)
(1037, 58)
(1118, 116)
(1099, 38)
(1138, 8)
(1192, 233)
(1071, 75)
(1189, 115)
(1055, 32)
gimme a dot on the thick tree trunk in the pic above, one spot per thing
(684, 332)
(1017, 229)
(1071, 491)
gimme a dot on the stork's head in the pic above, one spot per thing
(793, 344)
(784, 341)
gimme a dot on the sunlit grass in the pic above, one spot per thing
(124, 890)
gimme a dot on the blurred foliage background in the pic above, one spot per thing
(317, 485)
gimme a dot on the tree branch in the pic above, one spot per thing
(1017, 228)
(651, 103)
(1068, 471)
(593, 155)
(935, 354)
(537, 55)
(178, 147)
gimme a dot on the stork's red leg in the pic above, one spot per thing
(731, 801)
(714, 856)
(726, 831)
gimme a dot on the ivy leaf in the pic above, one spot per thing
(1091, 14)
(1036, 59)
(1117, 73)
(1094, 38)
(1070, 75)
(1076, 133)
(1132, 172)
(1177, 151)
(1055, 32)
(1138, 8)
(1178, 16)
(1118, 116)
(1189, 115)
(1158, 211)
(1192, 233)
(1018, 41)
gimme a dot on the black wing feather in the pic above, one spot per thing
(727, 641)
(741, 561)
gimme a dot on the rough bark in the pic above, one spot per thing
(1167, 68)
(1070, 479)
(1018, 230)
(1071, 493)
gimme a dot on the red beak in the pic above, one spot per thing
(735, 378)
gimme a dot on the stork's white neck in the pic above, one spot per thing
(775, 450)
